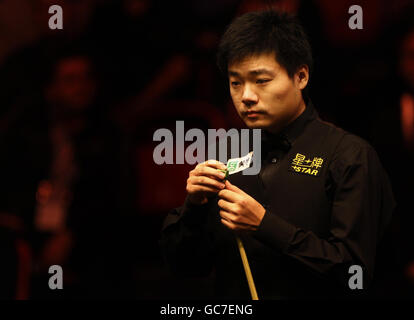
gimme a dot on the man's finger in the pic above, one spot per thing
(236, 226)
(229, 225)
(233, 188)
(229, 195)
(226, 205)
(215, 164)
(206, 181)
(208, 171)
(229, 217)
(199, 188)
(234, 218)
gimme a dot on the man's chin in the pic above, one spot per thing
(255, 124)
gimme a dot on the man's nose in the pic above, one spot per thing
(249, 98)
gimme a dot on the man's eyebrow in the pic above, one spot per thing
(256, 72)
(262, 71)
(233, 73)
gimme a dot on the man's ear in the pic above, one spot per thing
(302, 76)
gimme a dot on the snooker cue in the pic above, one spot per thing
(247, 270)
(243, 256)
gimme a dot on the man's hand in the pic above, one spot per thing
(204, 181)
(239, 211)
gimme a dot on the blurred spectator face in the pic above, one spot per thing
(407, 60)
(73, 86)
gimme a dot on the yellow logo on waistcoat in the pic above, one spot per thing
(307, 166)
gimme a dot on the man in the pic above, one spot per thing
(302, 229)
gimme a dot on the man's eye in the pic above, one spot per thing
(261, 81)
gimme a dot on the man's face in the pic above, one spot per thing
(74, 86)
(263, 94)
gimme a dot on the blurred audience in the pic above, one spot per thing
(392, 134)
(63, 180)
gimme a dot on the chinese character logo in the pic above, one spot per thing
(301, 164)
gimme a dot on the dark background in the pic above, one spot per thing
(79, 107)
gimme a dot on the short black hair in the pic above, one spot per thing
(266, 32)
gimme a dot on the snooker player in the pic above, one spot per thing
(321, 201)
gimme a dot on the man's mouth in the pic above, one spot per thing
(253, 114)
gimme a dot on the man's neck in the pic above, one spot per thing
(299, 110)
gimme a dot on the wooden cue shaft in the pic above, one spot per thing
(247, 270)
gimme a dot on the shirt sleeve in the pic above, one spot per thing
(186, 241)
(362, 207)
